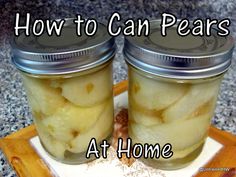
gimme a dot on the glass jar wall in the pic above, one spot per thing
(171, 111)
(70, 110)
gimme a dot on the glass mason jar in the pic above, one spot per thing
(173, 87)
(68, 80)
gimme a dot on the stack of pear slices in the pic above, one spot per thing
(171, 112)
(69, 112)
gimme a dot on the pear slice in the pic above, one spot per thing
(142, 115)
(176, 153)
(183, 153)
(54, 147)
(42, 97)
(56, 83)
(199, 95)
(34, 105)
(154, 94)
(90, 89)
(70, 121)
(180, 135)
(146, 120)
(101, 130)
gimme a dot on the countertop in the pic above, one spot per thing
(14, 110)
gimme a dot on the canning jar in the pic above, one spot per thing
(68, 81)
(173, 87)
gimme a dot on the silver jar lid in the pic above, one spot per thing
(179, 57)
(67, 53)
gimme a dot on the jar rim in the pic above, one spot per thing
(64, 54)
(209, 57)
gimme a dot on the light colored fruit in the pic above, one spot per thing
(183, 153)
(197, 96)
(154, 94)
(56, 83)
(144, 116)
(176, 153)
(53, 146)
(147, 120)
(90, 89)
(42, 97)
(100, 131)
(70, 121)
(33, 102)
(180, 135)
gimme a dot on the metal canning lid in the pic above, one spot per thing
(67, 53)
(179, 57)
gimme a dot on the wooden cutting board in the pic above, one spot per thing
(27, 162)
